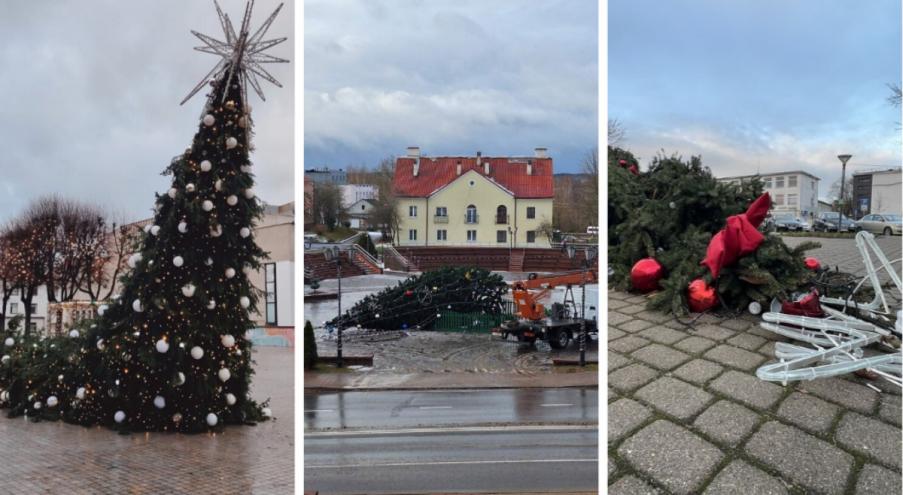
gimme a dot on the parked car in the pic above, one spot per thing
(881, 224)
(786, 222)
(805, 225)
(827, 222)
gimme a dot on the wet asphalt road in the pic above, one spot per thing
(446, 461)
(409, 409)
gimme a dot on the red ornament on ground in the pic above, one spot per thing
(812, 263)
(700, 296)
(645, 274)
(807, 306)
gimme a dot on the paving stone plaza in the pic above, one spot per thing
(56, 457)
(686, 413)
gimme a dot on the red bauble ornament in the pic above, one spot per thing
(645, 274)
(807, 306)
(700, 296)
(812, 263)
(408, 293)
(634, 170)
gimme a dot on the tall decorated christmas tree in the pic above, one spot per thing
(169, 353)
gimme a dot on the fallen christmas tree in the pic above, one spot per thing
(418, 301)
(662, 223)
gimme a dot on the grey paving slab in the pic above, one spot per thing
(663, 335)
(660, 357)
(844, 392)
(694, 344)
(635, 325)
(655, 316)
(767, 350)
(876, 480)
(631, 485)
(613, 333)
(698, 371)
(739, 478)
(627, 344)
(808, 412)
(632, 377)
(714, 332)
(747, 341)
(674, 397)
(615, 318)
(735, 357)
(634, 308)
(624, 415)
(612, 467)
(870, 437)
(802, 458)
(672, 456)
(726, 422)
(616, 361)
(889, 410)
(736, 324)
(747, 389)
(614, 304)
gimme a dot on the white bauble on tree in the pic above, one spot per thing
(230, 272)
(232, 200)
(208, 261)
(207, 205)
(206, 166)
(246, 268)
(172, 192)
(244, 232)
(52, 401)
(227, 340)
(147, 228)
(231, 142)
(230, 399)
(190, 187)
(218, 185)
(132, 262)
(136, 305)
(180, 379)
(211, 304)
(162, 346)
(224, 374)
(73, 333)
(178, 261)
(267, 413)
(197, 352)
(4, 359)
(9, 342)
(38, 405)
(244, 301)
(242, 122)
(80, 393)
(249, 193)
(100, 344)
(159, 402)
(216, 231)
(209, 120)
(155, 230)
(245, 169)
(183, 227)
(188, 290)
(119, 417)
(212, 419)
(176, 418)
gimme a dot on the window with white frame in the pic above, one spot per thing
(792, 199)
(470, 215)
(791, 181)
(270, 287)
(441, 235)
(471, 236)
(13, 308)
(412, 234)
(779, 199)
(531, 212)
(441, 211)
(531, 236)
(779, 182)
(412, 211)
(767, 182)
(501, 236)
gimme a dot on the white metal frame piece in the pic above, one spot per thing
(839, 340)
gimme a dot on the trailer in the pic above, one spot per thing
(557, 326)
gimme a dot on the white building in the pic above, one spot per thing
(878, 192)
(15, 307)
(352, 193)
(794, 192)
(359, 213)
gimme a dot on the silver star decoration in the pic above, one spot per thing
(243, 51)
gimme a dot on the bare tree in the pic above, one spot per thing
(27, 262)
(328, 205)
(616, 132)
(845, 203)
(8, 283)
(385, 215)
(110, 261)
(895, 95)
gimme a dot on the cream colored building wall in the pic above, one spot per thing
(472, 188)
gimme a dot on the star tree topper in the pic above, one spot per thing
(242, 50)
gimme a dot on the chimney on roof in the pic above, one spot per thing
(459, 167)
(479, 158)
(529, 167)
(540, 152)
(414, 151)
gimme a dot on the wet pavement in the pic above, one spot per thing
(57, 457)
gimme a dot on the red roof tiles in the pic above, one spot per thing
(510, 173)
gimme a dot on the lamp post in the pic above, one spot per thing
(589, 255)
(333, 254)
(843, 178)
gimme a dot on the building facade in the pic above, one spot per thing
(794, 192)
(15, 307)
(327, 176)
(352, 193)
(877, 192)
(359, 213)
(473, 200)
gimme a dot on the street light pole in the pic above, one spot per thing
(338, 264)
(843, 178)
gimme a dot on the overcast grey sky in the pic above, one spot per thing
(452, 76)
(91, 93)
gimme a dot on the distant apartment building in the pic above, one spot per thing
(15, 307)
(877, 192)
(794, 192)
(327, 176)
(473, 200)
(352, 193)
(359, 214)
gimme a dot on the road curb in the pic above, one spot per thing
(447, 381)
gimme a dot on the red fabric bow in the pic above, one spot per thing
(739, 238)
(807, 306)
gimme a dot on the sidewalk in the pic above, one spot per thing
(439, 381)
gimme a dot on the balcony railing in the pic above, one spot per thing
(440, 219)
(501, 219)
(471, 218)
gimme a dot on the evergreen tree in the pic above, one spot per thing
(670, 213)
(310, 347)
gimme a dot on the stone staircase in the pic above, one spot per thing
(516, 262)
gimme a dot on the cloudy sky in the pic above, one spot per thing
(450, 76)
(765, 85)
(91, 93)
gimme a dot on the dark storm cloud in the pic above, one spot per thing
(450, 76)
(91, 100)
